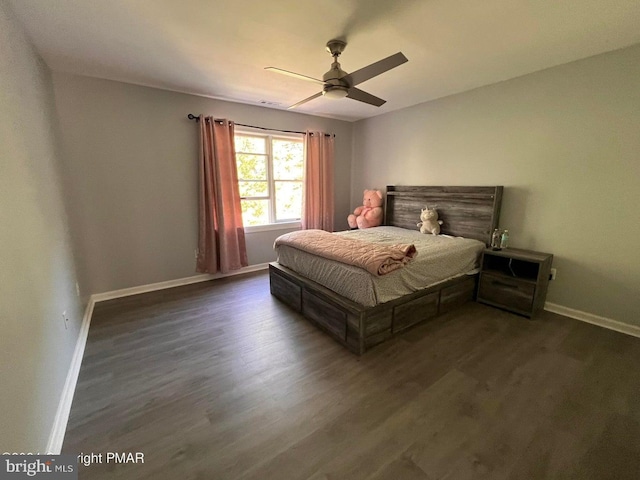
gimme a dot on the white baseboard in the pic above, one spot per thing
(609, 323)
(152, 287)
(56, 437)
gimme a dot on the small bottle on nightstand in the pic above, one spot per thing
(495, 240)
(504, 241)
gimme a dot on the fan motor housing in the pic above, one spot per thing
(335, 74)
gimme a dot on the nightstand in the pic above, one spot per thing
(514, 279)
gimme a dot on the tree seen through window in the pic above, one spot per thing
(270, 178)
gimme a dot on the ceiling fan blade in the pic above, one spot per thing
(319, 94)
(362, 96)
(295, 75)
(381, 66)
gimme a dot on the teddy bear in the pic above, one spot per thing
(430, 223)
(370, 213)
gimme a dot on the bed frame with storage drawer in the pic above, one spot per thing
(471, 212)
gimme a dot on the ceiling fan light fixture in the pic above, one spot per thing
(337, 83)
(336, 92)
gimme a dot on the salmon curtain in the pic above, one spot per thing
(221, 242)
(318, 205)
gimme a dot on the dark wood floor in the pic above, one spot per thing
(220, 381)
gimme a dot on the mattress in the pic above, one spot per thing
(439, 258)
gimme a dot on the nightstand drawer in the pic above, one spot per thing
(507, 292)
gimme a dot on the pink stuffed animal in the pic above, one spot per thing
(370, 213)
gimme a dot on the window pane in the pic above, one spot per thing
(253, 189)
(287, 160)
(255, 212)
(250, 144)
(288, 200)
(251, 167)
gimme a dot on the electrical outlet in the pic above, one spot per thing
(65, 319)
(77, 290)
(552, 275)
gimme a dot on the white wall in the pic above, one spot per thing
(564, 142)
(37, 272)
(131, 176)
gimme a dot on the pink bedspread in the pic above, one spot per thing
(376, 259)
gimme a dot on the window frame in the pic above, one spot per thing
(271, 198)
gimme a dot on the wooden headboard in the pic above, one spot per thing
(471, 212)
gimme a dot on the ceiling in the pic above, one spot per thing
(219, 48)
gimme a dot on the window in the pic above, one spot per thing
(270, 177)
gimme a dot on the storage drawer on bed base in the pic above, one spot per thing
(357, 327)
(415, 311)
(325, 315)
(455, 295)
(287, 291)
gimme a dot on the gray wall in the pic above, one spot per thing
(131, 176)
(565, 143)
(37, 272)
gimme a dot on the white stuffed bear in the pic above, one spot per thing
(430, 223)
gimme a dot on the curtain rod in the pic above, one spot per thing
(191, 116)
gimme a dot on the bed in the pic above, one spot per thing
(361, 310)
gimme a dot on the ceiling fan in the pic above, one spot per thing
(337, 83)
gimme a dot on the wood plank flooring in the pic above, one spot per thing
(219, 380)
